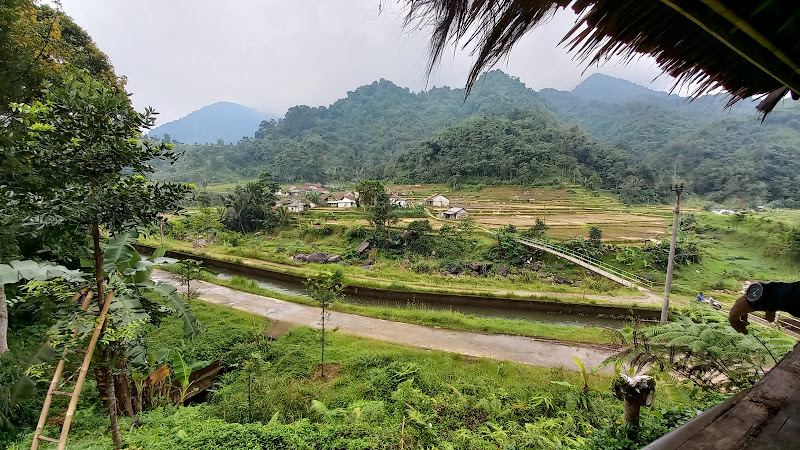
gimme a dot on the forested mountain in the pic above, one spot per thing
(606, 133)
(726, 154)
(223, 120)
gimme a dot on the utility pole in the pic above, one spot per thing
(677, 189)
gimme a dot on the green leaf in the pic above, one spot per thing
(191, 326)
(16, 271)
(562, 383)
(180, 369)
(118, 252)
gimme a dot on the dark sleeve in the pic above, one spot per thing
(779, 296)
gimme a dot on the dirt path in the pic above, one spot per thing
(500, 347)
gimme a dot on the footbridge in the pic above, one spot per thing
(599, 267)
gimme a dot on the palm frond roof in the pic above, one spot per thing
(746, 48)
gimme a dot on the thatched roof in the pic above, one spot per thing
(746, 48)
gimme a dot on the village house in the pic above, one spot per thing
(437, 200)
(346, 202)
(455, 213)
(396, 200)
(341, 200)
(297, 207)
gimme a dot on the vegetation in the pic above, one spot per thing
(378, 394)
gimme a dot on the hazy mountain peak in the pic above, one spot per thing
(222, 120)
(609, 89)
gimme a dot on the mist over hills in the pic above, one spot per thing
(223, 120)
(606, 133)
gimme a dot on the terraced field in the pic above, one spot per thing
(569, 211)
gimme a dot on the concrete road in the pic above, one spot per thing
(499, 347)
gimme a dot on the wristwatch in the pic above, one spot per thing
(753, 294)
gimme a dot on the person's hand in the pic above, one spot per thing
(738, 315)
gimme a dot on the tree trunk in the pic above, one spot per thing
(112, 407)
(98, 269)
(633, 407)
(122, 386)
(3, 320)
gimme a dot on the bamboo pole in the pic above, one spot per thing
(87, 359)
(57, 375)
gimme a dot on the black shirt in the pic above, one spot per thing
(777, 296)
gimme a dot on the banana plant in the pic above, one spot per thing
(17, 271)
(183, 373)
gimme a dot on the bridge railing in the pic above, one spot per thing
(628, 276)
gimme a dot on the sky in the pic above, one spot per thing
(181, 55)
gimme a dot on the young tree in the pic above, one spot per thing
(79, 166)
(325, 290)
(189, 270)
(382, 214)
(368, 191)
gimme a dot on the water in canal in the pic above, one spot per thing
(285, 287)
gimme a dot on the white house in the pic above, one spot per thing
(297, 207)
(346, 202)
(437, 200)
(396, 200)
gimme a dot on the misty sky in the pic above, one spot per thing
(180, 55)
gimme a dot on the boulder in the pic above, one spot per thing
(367, 267)
(475, 274)
(369, 262)
(300, 258)
(476, 266)
(648, 277)
(408, 234)
(202, 243)
(502, 271)
(334, 259)
(318, 257)
(363, 246)
(454, 269)
(560, 280)
(342, 263)
(559, 267)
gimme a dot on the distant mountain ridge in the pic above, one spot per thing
(639, 141)
(223, 120)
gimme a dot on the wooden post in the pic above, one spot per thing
(671, 264)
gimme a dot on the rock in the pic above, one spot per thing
(560, 280)
(502, 271)
(648, 277)
(334, 259)
(369, 262)
(454, 269)
(408, 234)
(342, 263)
(367, 267)
(318, 257)
(476, 266)
(363, 246)
(300, 258)
(570, 281)
(577, 284)
(475, 274)
(717, 237)
(201, 243)
(559, 267)
(433, 254)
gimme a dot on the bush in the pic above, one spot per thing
(356, 232)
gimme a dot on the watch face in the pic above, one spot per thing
(754, 291)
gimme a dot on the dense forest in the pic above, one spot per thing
(607, 133)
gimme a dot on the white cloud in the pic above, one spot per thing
(180, 55)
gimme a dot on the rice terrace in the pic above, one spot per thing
(371, 225)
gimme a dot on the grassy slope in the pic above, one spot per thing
(464, 399)
(742, 252)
